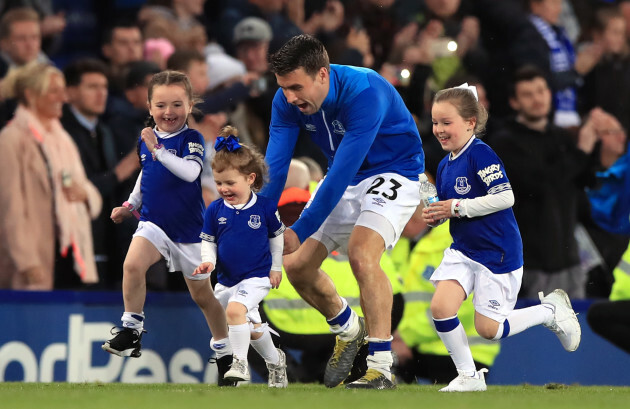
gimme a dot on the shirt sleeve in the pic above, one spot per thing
(362, 118)
(283, 134)
(489, 170)
(184, 168)
(194, 147)
(208, 231)
(135, 197)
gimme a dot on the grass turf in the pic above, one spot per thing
(302, 396)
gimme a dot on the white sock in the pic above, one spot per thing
(352, 328)
(221, 347)
(266, 349)
(520, 320)
(381, 360)
(239, 338)
(345, 322)
(456, 343)
(133, 320)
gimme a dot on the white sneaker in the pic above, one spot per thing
(565, 323)
(239, 371)
(278, 372)
(465, 383)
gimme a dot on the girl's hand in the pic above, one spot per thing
(119, 214)
(149, 138)
(203, 268)
(275, 277)
(437, 213)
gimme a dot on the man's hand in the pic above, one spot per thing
(275, 277)
(203, 268)
(291, 242)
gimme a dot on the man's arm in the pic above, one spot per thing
(362, 121)
(283, 134)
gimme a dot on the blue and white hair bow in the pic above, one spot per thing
(470, 88)
(230, 143)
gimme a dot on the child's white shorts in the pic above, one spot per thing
(249, 292)
(184, 257)
(383, 203)
(494, 294)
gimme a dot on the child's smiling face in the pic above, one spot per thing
(169, 107)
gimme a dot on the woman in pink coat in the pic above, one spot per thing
(46, 201)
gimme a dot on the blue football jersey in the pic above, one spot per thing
(242, 238)
(363, 128)
(493, 240)
(173, 204)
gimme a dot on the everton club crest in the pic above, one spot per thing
(461, 185)
(254, 221)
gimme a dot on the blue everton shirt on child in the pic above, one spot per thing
(242, 238)
(497, 241)
(166, 199)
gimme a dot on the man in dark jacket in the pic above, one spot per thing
(548, 172)
(87, 95)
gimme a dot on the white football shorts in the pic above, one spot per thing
(494, 294)
(383, 203)
(184, 257)
(249, 292)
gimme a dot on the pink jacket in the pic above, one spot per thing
(33, 209)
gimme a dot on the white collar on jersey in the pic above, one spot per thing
(244, 206)
(470, 141)
(165, 135)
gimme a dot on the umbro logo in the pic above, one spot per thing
(378, 201)
(222, 220)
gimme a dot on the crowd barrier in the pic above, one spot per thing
(56, 337)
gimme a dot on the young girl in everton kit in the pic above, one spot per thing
(168, 197)
(486, 255)
(242, 237)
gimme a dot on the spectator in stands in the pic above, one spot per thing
(20, 39)
(179, 21)
(122, 44)
(133, 110)
(565, 66)
(252, 36)
(46, 200)
(272, 11)
(548, 173)
(86, 82)
(607, 85)
(608, 204)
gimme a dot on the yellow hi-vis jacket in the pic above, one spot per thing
(621, 286)
(290, 313)
(416, 327)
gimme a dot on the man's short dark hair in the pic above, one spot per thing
(108, 33)
(525, 73)
(180, 60)
(137, 73)
(302, 51)
(76, 69)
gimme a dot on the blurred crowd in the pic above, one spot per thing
(554, 75)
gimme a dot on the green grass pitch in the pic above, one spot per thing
(302, 396)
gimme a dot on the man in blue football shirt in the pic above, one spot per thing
(370, 191)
